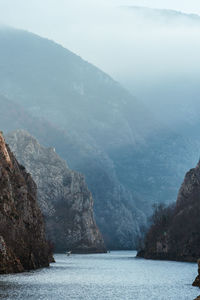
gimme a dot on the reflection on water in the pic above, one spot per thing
(116, 275)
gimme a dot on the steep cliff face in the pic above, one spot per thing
(63, 196)
(22, 236)
(175, 232)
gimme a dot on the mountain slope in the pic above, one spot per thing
(52, 82)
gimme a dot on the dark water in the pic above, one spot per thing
(116, 275)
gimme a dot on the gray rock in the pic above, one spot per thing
(63, 196)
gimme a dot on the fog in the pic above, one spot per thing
(152, 52)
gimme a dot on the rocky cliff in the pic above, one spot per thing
(63, 196)
(22, 236)
(175, 232)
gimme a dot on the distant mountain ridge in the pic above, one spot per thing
(165, 14)
(70, 78)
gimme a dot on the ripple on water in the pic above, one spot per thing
(116, 275)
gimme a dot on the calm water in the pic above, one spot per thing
(116, 275)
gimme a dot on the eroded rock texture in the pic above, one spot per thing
(63, 196)
(22, 235)
(175, 232)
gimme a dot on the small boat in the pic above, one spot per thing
(68, 253)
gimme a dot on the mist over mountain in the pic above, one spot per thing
(130, 161)
(69, 87)
(165, 16)
(152, 52)
(164, 68)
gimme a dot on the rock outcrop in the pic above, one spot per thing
(63, 196)
(23, 245)
(175, 232)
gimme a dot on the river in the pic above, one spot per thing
(116, 275)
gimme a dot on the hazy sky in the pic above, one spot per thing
(103, 32)
(139, 50)
(84, 26)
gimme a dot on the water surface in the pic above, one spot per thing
(116, 275)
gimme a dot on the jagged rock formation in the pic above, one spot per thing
(22, 236)
(175, 232)
(63, 196)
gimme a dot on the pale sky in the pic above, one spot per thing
(74, 22)
(189, 6)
